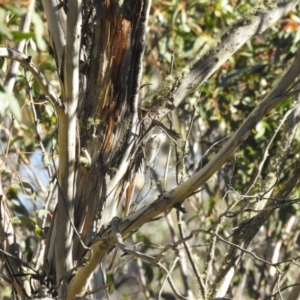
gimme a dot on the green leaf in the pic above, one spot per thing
(8, 101)
(38, 231)
(40, 214)
(39, 31)
(18, 10)
(21, 220)
(12, 193)
(261, 129)
(47, 66)
(5, 31)
(27, 185)
(19, 36)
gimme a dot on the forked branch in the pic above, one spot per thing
(27, 63)
(179, 194)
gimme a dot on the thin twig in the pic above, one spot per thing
(249, 252)
(190, 255)
(278, 283)
(182, 261)
(212, 232)
(168, 274)
(282, 289)
(6, 154)
(266, 152)
(71, 220)
(209, 260)
(150, 259)
(207, 151)
(27, 63)
(24, 26)
(36, 123)
(98, 289)
(23, 262)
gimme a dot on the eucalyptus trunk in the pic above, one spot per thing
(98, 47)
(97, 135)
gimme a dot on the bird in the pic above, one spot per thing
(152, 148)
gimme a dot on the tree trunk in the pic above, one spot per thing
(107, 123)
(99, 48)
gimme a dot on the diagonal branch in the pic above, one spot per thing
(147, 258)
(26, 62)
(167, 200)
(254, 23)
(177, 87)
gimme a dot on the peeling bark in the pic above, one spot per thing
(108, 120)
(102, 118)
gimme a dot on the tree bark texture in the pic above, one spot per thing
(99, 121)
(108, 119)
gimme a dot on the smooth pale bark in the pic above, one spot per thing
(253, 23)
(109, 115)
(109, 123)
(178, 195)
(67, 130)
(56, 21)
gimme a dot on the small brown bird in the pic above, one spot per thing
(152, 147)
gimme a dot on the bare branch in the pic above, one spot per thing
(190, 255)
(155, 261)
(250, 25)
(178, 195)
(26, 62)
(14, 65)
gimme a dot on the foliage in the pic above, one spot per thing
(179, 34)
